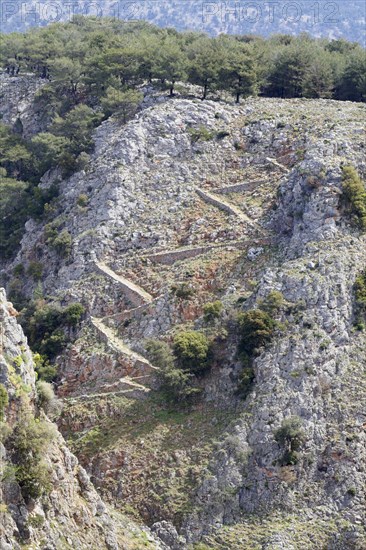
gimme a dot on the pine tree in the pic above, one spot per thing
(205, 56)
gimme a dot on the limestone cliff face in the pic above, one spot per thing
(72, 515)
(315, 371)
(18, 108)
(232, 202)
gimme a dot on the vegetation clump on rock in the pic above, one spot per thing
(4, 400)
(354, 195)
(191, 349)
(256, 328)
(360, 299)
(28, 441)
(290, 436)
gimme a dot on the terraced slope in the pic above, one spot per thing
(171, 225)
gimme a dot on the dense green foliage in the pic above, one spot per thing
(256, 329)
(4, 400)
(177, 384)
(44, 370)
(46, 328)
(246, 377)
(354, 195)
(290, 436)
(28, 440)
(212, 311)
(180, 367)
(90, 59)
(191, 349)
(360, 301)
(45, 396)
(18, 201)
(273, 302)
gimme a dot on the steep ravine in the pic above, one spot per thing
(253, 205)
(70, 514)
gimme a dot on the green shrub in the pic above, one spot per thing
(191, 349)
(54, 343)
(5, 431)
(200, 134)
(18, 361)
(19, 270)
(354, 195)
(122, 103)
(36, 521)
(45, 326)
(360, 301)
(246, 380)
(176, 384)
(256, 329)
(82, 161)
(45, 371)
(28, 441)
(82, 200)
(273, 302)
(62, 243)
(73, 313)
(51, 232)
(246, 377)
(35, 270)
(290, 436)
(4, 401)
(212, 311)
(45, 395)
(159, 353)
(184, 291)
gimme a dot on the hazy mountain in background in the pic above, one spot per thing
(338, 19)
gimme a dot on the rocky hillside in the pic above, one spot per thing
(53, 504)
(188, 204)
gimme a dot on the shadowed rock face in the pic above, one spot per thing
(268, 217)
(18, 108)
(72, 515)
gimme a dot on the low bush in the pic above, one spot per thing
(28, 441)
(176, 384)
(73, 313)
(45, 371)
(273, 302)
(62, 243)
(35, 270)
(82, 200)
(183, 291)
(4, 401)
(200, 134)
(159, 353)
(354, 195)
(290, 436)
(45, 394)
(246, 376)
(256, 329)
(45, 326)
(212, 311)
(360, 301)
(246, 380)
(191, 349)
